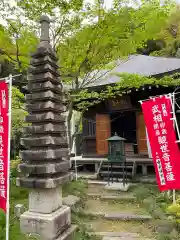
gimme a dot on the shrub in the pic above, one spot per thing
(174, 210)
(14, 167)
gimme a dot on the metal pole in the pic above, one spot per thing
(18, 75)
(174, 116)
(9, 148)
(172, 98)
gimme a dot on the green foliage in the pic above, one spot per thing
(118, 33)
(86, 38)
(174, 210)
(78, 188)
(18, 112)
(35, 8)
(2, 219)
(85, 99)
(17, 41)
(14, 168)
(170, 35)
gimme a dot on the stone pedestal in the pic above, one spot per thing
(48, 226)
(45, 200)
(46, 159)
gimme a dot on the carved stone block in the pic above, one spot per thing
(45, 128)
(44, 155)
(46, 106)
(45, 200)
(46, 95)
(37, 182)
(45, 117)
(48, 226)
(45, 141)
(46, 168)
(43, 77)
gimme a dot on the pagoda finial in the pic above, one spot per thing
(44, 21)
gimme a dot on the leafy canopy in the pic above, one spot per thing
(127, 82)
(119, 32)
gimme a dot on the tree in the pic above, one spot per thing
(86, 37)
(170, 35)
(117, 33)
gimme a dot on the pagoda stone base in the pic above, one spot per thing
(48, 226)
(45, 200)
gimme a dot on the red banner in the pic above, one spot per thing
(3, 143)
(162, 137)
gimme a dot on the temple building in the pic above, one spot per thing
(123, 114)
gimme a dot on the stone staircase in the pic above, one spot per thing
(117, 171)
(117, 215)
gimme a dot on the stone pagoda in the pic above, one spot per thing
(46, 162)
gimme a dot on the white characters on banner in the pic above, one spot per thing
(159, 112)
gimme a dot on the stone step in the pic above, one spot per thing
(112, 197)
(123, 238)
(117, 186)
(119, 216)
(116, 166)
(114, 173)
(119, 236)
(118, 198)
(126, 217)
(96, 182)
(87, 176)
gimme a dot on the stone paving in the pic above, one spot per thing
(120, 218)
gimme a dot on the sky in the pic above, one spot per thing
(108, 4)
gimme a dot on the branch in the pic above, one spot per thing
(58, 32)
(17, 46)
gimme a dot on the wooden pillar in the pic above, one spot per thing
(141, 134)
(103, 132)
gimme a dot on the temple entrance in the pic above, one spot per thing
(124, 124)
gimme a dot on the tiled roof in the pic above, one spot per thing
(138, 64)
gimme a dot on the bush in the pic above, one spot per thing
(14, 167)
(174, 210)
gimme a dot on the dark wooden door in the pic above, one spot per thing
(103, 132)
(141, 134)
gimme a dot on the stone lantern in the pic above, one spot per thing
(116, 156)
(116, 147)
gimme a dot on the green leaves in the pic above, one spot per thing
(86, 99)
(17, 41)
(18, 111)
(119, 32)
(2, 219)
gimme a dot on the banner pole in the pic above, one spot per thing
(9, 149)
(178, 133)
(174, 115)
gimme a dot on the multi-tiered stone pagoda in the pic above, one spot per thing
(46, 158)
